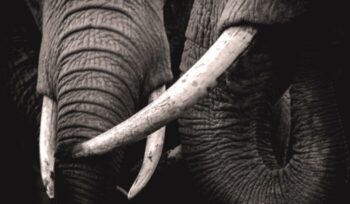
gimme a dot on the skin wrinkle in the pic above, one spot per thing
(92, 69)
(97, 90)
(93, 89)
(101, 25)
(80, 102)
(109, 63)
(104, 118)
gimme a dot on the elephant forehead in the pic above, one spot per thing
(125, 29)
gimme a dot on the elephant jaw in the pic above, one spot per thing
(189, 89)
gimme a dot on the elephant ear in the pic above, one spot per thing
(35, 8)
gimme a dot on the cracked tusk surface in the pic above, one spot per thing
(189, 89)
(46, 143)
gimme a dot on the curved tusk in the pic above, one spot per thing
(46, 143)
(153, 152)
(189, 89)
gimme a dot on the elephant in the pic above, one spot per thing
(100, 60)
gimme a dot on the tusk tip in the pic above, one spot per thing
(136, 188)
(78, 151)
(49, 185)
(50, 194)
(133, 192)
(73, 151)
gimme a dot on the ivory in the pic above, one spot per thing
(46, 143)
(153, 152)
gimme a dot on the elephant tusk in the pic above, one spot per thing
(189, 89)
(174, 155)
(153, 152)
(46, 143)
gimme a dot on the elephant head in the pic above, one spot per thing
(226, 134)
(99, 62)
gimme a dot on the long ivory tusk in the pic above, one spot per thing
(189, 89)
(46, 143)
(153, 152)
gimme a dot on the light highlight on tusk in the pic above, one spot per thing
(153, 152)
(189, 89)
(46, 143)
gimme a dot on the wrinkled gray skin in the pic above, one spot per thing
(226, 136)
(101, 73)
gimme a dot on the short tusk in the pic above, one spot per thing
(153, 152)
(189, 89)
(174, 155)
(46, 143)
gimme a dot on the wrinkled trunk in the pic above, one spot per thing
(89, 103)
(95, 91)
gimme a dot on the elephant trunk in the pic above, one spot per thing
(96, 89)
(225, 136)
